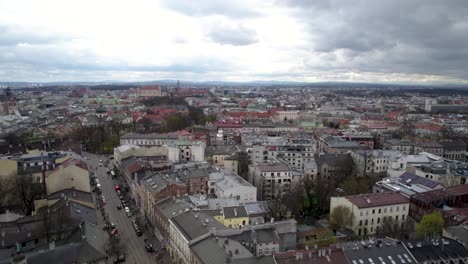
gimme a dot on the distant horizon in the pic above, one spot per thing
(226, 83)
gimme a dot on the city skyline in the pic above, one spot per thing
(418, 42)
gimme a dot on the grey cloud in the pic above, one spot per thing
(234, 9)
(236, 35)
(13, 35)
(423, 36)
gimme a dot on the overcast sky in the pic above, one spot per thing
(397, 41)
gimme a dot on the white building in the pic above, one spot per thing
(272, 179)
(369, 210)
(234, 186)
(374, 162)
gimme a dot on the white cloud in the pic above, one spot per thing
(42, 40)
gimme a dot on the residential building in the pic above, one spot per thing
(233, 186)
(38, 162)
(233, 217)
(450, 202)
(149, 91)
(453, 149)
(336, 145)
(369, 210)
(373, 162)
(407, 184)
(72, 174)
(272, 179)
(332, 167)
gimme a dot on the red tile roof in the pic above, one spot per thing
(377, 199)
(134, 167)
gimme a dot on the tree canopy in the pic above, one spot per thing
(430, 224)
(341, 217)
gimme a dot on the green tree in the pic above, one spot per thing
(430, 224)
(323, 239)
(341, 217)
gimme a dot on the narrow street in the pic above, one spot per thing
(135, 251)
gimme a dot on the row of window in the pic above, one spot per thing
(366, 222)
(373, 211)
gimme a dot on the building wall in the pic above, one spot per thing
(70, 177)
(8, 168)
(272, 185)
(178, 246)
(369, 220)
(243, 193)
(197, 186)
(237, 222)
(231, 165)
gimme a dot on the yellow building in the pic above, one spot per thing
(8, 168)
(233, 217)
(72, 174)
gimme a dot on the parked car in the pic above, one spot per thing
(149, 247)
(112, 225)
(119, 207)
(139, 233)
(127, 209)
(119, 259)
(129, 213)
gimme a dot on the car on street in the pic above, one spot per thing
(139, 233)
(103, 200)
(129, 214)
(127, 209)
(112, 225)
(117, 187)
(121, 197)
(119, 259)
(98, 185)
(119, 207)
(149, 247)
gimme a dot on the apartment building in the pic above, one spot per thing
(373, 162)
(149, 91)
(337, 145)
(272, 179)
(369, 210)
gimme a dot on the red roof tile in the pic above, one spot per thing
(377, 199)
(134, 168)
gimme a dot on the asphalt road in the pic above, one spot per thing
(134, 245)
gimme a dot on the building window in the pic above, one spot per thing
(378, 220)
(360, 222)
(396, 218)
(402, 217)
(367, 222)
(373, 211)
(362, 213)
(398, 208)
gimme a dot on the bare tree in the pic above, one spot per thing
(26, 191)
(341, 217)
